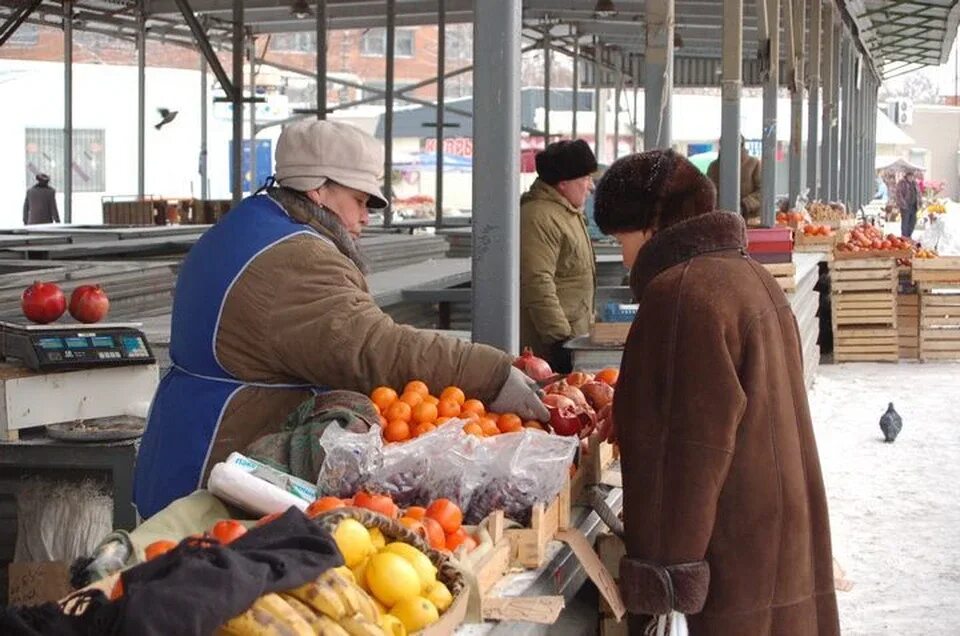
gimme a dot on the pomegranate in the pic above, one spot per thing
(598, 394)
(43, 303)
(562, 387)
(89, 303)
(564, 419)
(536, 368)
(579, 378)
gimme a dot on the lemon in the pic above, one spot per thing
(346, 573)
(380, 606)
(392, 626)
(353, 540)
(391, 579)
(415, 613)
(360, 573)
(376, 538)
(426, 571)
(438, 594)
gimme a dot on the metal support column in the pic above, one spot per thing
(496, 159)
(829, 103)
(141, 100)
(798, 22)
(599, 108)
(658, 74)
(204, 182)
(68, 111)
(237, 102)
(252, 48)
(835, 116)
(388, 111)
(845, 128)
(813, 102)
(441, 97)
(321, 28)
(617, 96)
(546, 85)
(731, 85)
(636, 114)
(576, 81)
(771, 84)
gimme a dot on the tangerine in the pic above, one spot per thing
(383, 397)
(399, 411)
(489, 427)
(447, 514)
(378, 503)
(416, 512)
(417, 386)
(425, 413)
(454, 539)
(431, 399)
(157, 548)
(412, 398)
(322, 505)
(448, 408)
(434, 534)
(228, 530)
(474, 406)
(534, 424)
(397, 431)
(454, 393)
(472, 428)
(443, 420)
(413, 525)
(509, 423)
(424, 428)
(608, 376)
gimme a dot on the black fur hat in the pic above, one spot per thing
(565, 160)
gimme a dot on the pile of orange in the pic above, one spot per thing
(414, 412)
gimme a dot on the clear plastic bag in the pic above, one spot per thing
(459, 466)
(350, 460)
(404, 472)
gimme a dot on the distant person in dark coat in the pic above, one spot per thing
(40, 204)
(908, 200)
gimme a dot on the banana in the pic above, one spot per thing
(262, 620)
(354, 599)
(321, 597)
(329, 628)
(357, 625)
(285, 615)
(305, 611)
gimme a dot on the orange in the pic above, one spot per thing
(472, 428)
(397, 431)
(117, 590)
(228, 530)
(157, 548)
(470, 417)
(431, 399)
(489, 427)
(377, 503)
(448, 408)
(509, 423)
(454, 393)
(424, 428)
(322, 505)
(412, 398)
(454, 539)
(434, 534)
(474, 406)
(442, 420)
(416, 512)
(383, 396)
(608, 376)
(447, 514)
(413, 525)
(399, 411)
(534, 424)
(417, 386)
(425, 413)
(377, 409)
(383, 421)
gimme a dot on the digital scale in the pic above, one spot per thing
(64, 347)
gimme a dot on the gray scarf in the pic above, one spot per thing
(302, 209)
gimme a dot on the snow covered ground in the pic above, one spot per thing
(894, 508)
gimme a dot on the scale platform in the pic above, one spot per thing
(68, 346)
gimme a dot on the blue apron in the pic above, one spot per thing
(193, 395)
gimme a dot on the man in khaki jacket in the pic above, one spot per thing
(271, 304)
(558, 275)
(750, 182)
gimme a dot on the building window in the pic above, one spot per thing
(44, 153)
(26, 35)
(305, 42)
(373, 43)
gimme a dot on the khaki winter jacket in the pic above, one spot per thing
(750, 182)
(301, 313)
(558, 272)
(724, 512)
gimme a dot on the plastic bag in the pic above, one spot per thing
(523, 469)
(350, 460)
(404, 470)
(459, 466)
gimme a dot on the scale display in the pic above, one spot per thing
(50, 348)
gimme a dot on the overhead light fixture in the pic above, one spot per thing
(300, 9)
(604, 9)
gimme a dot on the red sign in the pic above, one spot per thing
(457, 146)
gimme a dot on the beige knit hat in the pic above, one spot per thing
(310, 152)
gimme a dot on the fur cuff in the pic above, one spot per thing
(650, 588)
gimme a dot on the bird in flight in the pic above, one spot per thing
(166, 116)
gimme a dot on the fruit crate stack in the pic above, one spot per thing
(938, 281)
(864, 308)
(617, 318)
(773, 248)
(816, 238)
(908, 313)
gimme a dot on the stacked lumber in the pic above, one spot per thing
(390, 251)
(938, 281)
(864, 309)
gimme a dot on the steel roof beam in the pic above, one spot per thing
(203, 43)
(17, 18)
(886, 8)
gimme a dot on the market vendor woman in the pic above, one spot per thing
(271, 304)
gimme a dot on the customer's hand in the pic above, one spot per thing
(561, 358)
(519, 395)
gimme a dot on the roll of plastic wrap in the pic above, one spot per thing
(236, 486)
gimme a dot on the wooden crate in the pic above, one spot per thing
(863, 344)
(908, 326)
(807, 243)
(529, 545)
(943, 271)
(609, 333)
(785, 273)
(595, 468)
(940, 325)
(864, 309)
(610, 549)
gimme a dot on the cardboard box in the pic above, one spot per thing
(38, 582)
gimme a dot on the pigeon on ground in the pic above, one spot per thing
(167, 116)
(890, 424)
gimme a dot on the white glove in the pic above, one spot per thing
(519, 395)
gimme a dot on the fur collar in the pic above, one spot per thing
(303, 210)
(705, 234)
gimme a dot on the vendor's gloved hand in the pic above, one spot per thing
(519, 395)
